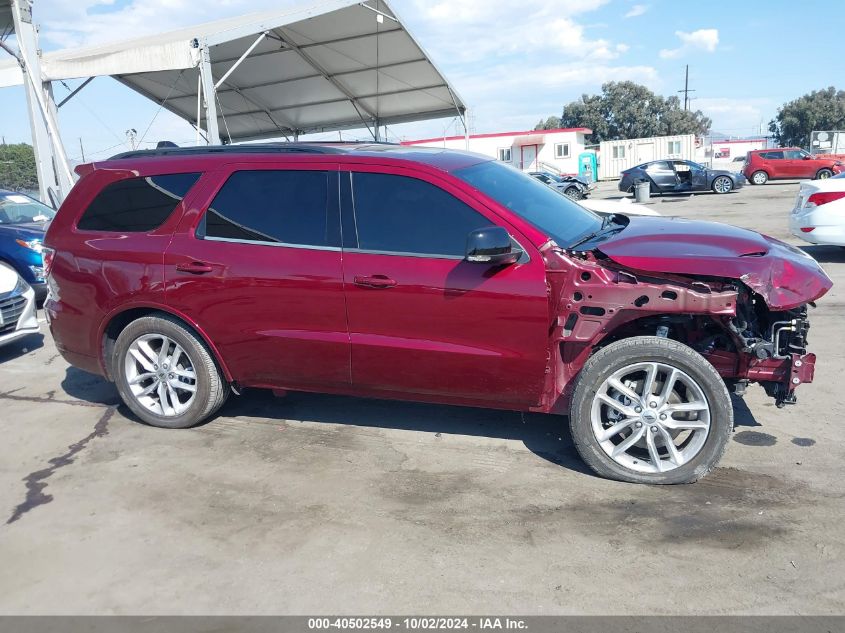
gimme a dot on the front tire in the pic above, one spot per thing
(824, 174)
(650, 410)
(759, 178)
(165, 373)
(573, 193)
(723, 184)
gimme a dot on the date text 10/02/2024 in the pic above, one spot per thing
(417, 623)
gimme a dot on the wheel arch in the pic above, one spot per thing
(116, 321)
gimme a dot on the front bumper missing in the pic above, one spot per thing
(782, 376)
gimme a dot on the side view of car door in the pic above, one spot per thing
(256, 263)
(663, 175)
(796, 166)
(424, 320)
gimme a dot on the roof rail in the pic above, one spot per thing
(335, 147)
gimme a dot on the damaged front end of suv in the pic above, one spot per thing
(737, 298)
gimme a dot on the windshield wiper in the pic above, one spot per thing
(605, 223)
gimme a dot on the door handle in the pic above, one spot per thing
(374, 281)
(195, 268)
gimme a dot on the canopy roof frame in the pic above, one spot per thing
(333, 65)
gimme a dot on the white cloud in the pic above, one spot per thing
(473, 30)
(701, 40)
(736, 116)
(636, 10)
(513, 96)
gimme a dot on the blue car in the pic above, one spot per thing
(23, 222)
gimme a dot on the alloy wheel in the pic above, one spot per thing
(160, 375)
(722, 184)
(650, 417)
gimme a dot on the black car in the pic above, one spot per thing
(678, 176)
(570, 186)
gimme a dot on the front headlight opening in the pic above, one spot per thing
(21, 286)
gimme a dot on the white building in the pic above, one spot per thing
(538, 150)
(617, 156)
(722, 154)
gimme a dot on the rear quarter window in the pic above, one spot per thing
(136, 205)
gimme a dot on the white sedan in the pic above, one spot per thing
(17, 306)
(819, 213)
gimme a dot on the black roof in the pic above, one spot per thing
(336, 147)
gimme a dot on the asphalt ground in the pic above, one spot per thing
(316, 504)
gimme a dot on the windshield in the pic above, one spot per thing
(16, 208)
(557, 216)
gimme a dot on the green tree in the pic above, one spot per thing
(625, 109)
(818, 110)
(552, 123)
(17, 167)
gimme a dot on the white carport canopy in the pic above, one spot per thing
(333, 65)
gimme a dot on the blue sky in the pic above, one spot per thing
(513, 62)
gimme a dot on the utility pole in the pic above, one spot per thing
(686, 90)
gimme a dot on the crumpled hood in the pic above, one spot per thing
(783, 275)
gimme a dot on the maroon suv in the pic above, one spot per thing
(787, 163)
(422, 274)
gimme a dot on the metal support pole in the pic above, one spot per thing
(199, 106)
(210, 92)
(54, 176)
(376, 131)
(240, 60)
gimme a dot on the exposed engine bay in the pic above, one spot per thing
(729, 324)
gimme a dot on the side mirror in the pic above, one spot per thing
(491, 245)
(806, 156)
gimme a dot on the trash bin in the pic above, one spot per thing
(642, 190)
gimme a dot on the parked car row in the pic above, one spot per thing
(680, 176)
(570, 186)
(23, 223)
(819, 213)
(788, 163)
(17, 306)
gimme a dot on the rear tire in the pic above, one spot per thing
(759, 178)
(647, 422)
(165, 373)
(824, 174)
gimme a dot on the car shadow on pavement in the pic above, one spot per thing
(21, 347)
(743, 416)
(547, 436)
(91, 388)
(825, 254)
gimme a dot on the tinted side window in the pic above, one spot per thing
(398, 214)
(772, 155)
(659, 166)
(136, 205)
(278, 206)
